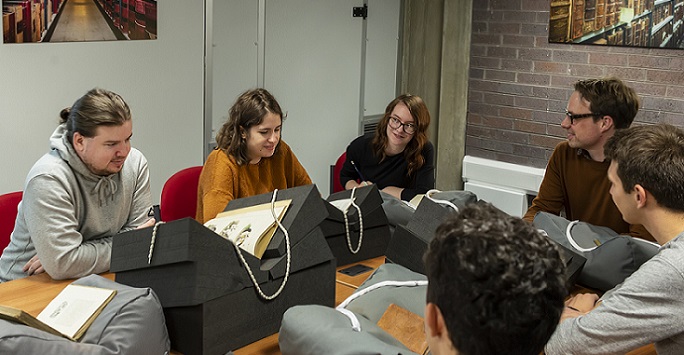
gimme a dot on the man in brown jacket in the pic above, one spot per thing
(575, 183)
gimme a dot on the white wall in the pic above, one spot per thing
(310, 55)
(313, 67)
(162, 80)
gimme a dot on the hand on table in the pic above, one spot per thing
(33, 266)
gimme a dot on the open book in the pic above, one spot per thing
(69, 314)
(250, 228)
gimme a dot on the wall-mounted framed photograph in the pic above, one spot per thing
(33, 21)
(633, 23)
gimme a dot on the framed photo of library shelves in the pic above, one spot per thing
(39, 21)
(632, 23)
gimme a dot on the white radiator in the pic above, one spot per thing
(507, 186)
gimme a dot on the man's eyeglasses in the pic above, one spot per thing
(409, 128)
(574, 117)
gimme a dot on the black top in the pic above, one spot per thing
(393, 171)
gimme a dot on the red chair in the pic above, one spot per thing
(8, 215)
(179, 195)
(335, 185)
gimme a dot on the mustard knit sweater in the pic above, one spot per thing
(222, 179)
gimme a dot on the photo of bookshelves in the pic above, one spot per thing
(27, 21)
(636, 23)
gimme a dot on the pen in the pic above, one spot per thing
(358, 171)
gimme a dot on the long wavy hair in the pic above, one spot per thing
(413, 151)
(249, 110)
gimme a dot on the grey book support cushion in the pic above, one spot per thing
(608, 264)
(314, 330)
(399, 212)
(132, 323)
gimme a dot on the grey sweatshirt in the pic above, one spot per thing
(648, 307)
(68, 215)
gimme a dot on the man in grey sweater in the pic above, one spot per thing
(90, 186)
(646, 173)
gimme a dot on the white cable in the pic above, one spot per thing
(346, 224)
(287, 265)
(572, 241)
(438, 201)
(356, 325)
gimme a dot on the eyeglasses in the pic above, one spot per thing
(409, 128)
(574, 117)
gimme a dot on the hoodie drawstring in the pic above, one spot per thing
(105, 187)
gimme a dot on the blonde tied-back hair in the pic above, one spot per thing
(98, 107)
(249, 110)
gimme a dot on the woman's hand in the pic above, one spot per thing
(394, 191)
(352, 184)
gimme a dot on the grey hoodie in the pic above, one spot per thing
(68, 215)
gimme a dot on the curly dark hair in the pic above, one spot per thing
(653, 157)
(498, 282)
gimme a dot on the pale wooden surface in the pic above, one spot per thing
(33, 293)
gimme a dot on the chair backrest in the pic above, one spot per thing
(8, 215)
(179, 195)
(336, 186)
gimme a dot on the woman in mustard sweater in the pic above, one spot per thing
(250, 158)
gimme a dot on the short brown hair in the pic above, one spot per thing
(611, 97)
(653, 157)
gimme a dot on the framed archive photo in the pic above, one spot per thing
(631, 23)
(38, 21)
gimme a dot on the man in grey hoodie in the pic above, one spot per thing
(90, 186)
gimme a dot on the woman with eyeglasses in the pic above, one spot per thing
(398, 158)
(250, 158)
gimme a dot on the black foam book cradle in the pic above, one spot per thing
(210, 303)
(376, 230)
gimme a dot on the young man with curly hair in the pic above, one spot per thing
(495, 285)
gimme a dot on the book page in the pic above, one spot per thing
(19, 316)
(342, 204)
(250, 228)
(415, 201)
(75, 308)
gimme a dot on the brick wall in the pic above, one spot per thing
(519, 83)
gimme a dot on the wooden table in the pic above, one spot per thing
(33, 293)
